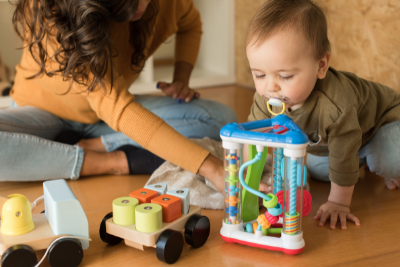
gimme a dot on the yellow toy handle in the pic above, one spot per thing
(273, 113)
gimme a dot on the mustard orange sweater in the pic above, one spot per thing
(118, 108)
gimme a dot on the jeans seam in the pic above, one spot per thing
(77, 163)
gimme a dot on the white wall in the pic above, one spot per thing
(9, 42)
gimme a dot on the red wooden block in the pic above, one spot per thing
(144, 195)
(171, 207)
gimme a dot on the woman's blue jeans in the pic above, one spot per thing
(381, 154)
(28, 154)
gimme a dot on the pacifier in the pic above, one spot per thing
(278, 101)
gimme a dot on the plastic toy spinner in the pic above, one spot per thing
(154, 217)
(62, 228)
(286, 205)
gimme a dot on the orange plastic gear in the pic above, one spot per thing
(263, 221)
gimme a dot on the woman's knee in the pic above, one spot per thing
(222, 114)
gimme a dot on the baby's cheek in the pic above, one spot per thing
(259, 88)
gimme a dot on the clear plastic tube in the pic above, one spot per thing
(233, 188)
(293, 195)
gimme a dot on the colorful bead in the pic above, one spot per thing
(292, 223)
(269, 204)
(249, 228)
(271, 219)
(263, 222)
(255, 225)
(276, 211)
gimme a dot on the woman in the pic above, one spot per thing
(80, 57)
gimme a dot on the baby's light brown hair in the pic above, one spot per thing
(302, 15)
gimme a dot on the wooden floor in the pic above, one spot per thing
(375, 243)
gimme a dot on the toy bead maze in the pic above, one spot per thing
(287, 203)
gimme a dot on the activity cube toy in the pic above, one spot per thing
(286, 205)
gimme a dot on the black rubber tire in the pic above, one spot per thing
(169, 246)
(43, 211)
(66, 252)
(197, 230)
(19, 256)
(105, 237)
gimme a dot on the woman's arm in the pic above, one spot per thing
(117, 107)
(188, 37)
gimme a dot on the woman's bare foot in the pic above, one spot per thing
(93, 144)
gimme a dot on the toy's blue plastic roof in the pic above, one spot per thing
(294, 135)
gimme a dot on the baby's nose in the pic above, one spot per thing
(273, 87)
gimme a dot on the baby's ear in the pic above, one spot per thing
(323, 66)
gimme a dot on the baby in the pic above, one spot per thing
(349, 121)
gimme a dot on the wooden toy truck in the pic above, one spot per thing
(63, 216)
(168, 240)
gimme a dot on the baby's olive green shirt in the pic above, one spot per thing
(341, 114)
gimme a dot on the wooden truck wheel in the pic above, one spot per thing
(169, 246)
(19, 255)
(105, 237)
(197, 230)
(65, 252)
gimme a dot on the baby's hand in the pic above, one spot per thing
(333, 211)
(392, 183)
(265, 188)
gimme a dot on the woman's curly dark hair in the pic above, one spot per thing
(82, 33)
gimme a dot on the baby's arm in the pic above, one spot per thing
(344, 137)
(338, 205)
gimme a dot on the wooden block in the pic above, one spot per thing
(171, 207)
(161, 188)
(144, 195)
(183, 194)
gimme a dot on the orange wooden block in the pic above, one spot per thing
(171, 207)
(144, 195)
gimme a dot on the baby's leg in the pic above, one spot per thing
(382, 154)
(318, 167)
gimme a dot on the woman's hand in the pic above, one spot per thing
(333, 211)
(213, 169)
(178, 90)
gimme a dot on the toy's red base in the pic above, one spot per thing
(284, 250)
